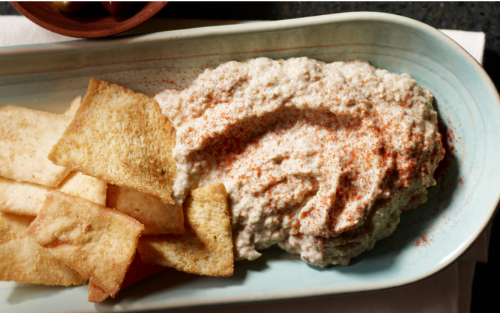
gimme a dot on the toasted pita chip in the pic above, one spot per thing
(23, 261)
(120, 137)
(21, 198)
(96, 294)
(75, 104)
(26, 137)
(90, 188)
(98, 242)
(27, 198)
(137, 271)
(156, 216)
(206, 247)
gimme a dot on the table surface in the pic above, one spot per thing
(483, 17)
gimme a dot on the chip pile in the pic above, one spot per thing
(86, 197)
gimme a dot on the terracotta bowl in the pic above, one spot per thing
(91, 22)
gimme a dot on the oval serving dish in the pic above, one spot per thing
(427, 240)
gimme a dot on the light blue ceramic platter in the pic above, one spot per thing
(428, 239)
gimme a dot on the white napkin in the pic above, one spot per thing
(472, 42)
(447, 291)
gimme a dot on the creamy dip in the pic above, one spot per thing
(318, 158)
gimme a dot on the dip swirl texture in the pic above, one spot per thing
(318, 158)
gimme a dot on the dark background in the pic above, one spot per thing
(477, 16)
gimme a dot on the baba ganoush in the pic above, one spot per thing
(318, 158)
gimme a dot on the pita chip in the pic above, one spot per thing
(90, 188)
(26, 138)
(27, 198)
(21, 198)
(98, 242)
(23, 261)
(156, 216)
(206, 247)
(96, 294)
(122, 138)
(74, 105)
(137, 271)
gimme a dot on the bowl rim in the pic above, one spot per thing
(121, 27)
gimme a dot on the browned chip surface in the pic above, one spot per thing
(90, 188)
(206, 247)
(27, 198)
(26, 138)
(23, 261)
(156, 216)
(96, 294)
(75, 104)
(137, 271)
(21, 198)
(98, 242)
(120, 137)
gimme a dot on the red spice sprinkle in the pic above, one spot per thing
(424, 238)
